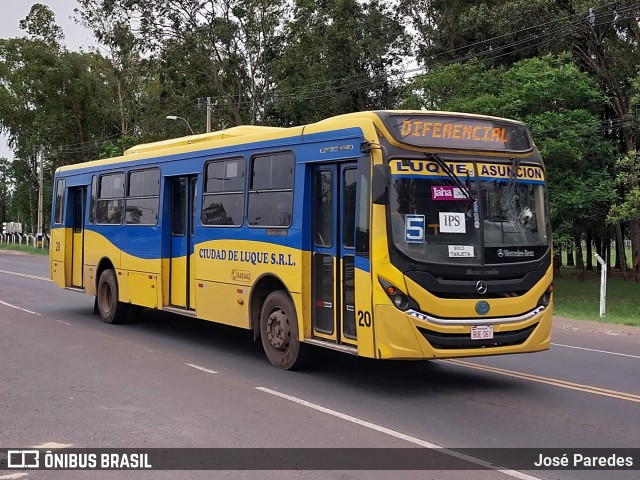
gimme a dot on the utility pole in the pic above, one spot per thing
(208, 114)
(40, 242)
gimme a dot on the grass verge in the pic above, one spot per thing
(23, 248)
(581, 300)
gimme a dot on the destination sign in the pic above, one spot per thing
(457, 132)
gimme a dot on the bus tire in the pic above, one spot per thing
(109, 308)
(279, 332)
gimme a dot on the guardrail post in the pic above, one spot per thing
(603, 284)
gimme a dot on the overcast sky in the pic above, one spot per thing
(75, 36)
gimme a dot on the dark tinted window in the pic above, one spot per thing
(78, 209)
(270, 209)
(109, 211)
(323, 205)
(143, 199)
(349, 203)
(60, 184)
(272, 172)
(112, 186)
(179, 206)
(144, 183)
(110, 199)
(225, 176)
(271, 191)
(94, 195)
(142, 211)
(223, 199)
(362, 216)
(223, 209)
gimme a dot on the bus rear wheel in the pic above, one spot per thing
(109, 308)
(279, 332)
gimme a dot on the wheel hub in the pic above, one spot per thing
(278, 329)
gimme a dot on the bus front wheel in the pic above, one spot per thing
(279, 332)
(109, 308)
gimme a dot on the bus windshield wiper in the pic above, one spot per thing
(452, 176)
(507, 201)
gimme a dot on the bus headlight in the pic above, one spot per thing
(545, 298)
(401, 300)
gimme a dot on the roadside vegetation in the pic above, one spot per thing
(580, 299)
(24, 248)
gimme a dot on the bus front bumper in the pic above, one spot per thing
(410, 336)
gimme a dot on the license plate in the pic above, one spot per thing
(481, 332)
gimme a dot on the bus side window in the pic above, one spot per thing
(143, 197)
(223, 196)
(60, 187)
(92, 204)
(363, 206)
(110, 199)
(271, 190)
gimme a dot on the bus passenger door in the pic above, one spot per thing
(333, 299)
(181, 292)
(78, 200)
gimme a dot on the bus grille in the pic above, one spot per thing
(451, 341)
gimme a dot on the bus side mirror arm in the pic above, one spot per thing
(380, 184)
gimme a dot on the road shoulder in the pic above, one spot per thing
(611, 329)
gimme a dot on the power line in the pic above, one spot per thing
(363, 83)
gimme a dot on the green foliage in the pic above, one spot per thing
(581, 300)
(628, 206)
(24, 248)
(560, 104)
(116, 148)
(339, 57)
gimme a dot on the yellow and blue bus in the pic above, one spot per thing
(385, 234)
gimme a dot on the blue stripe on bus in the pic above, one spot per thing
(362, 263)
(149, 243)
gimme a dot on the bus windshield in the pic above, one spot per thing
(500, 218)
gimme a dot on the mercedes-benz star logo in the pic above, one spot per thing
(481, 287)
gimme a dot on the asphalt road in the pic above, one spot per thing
(169, 381)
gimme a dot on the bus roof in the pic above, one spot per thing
(250, 133)
(232, 132)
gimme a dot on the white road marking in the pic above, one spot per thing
(18, 308)
(597, 351)
(53, 445)
(26, 275)
(401, 436)
(14, 476)
(64, 323)
(197, 367)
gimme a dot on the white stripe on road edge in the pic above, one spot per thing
(18, 308)
(200, 368)
(53, 445)
(594, 350)
(14, 476)
(26, 275)
(64, 323)
(401, 436)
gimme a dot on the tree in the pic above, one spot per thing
(112, 29)
(602, 36)
(214, 48)
(559, 104)
(51, 100)
(5, 198)
(341, 56)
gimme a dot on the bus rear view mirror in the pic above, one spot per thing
(380, 184)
